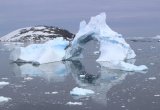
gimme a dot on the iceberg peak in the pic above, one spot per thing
(113, 47)
(97, 25)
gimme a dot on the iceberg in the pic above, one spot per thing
(112, 46)
(51, 51)
(81, 91)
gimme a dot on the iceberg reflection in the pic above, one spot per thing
(51, 71)
(88, 74)
(100, 79)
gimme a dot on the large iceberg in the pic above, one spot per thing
(112, 46)
(51, 51)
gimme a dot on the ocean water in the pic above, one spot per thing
(48, 86)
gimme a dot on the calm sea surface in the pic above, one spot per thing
(31, 86)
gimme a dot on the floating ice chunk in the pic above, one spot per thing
(51, 51)
(74, 103)
(81, 92)
(28, 78)
(4, 99)
(3, 83)
(152, 78)
(55, 92)
(157, 95)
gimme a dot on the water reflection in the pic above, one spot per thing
(87, 74)
(52, 71)
(91, 75)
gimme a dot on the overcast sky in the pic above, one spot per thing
(127, 17)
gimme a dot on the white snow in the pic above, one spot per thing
(3, 83)
(74, 103)
(4, 99)
(16, 35)
(10, 35)
(51, 51)
(81, 92)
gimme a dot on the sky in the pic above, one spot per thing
(131, 18)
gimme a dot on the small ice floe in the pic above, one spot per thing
(152, 47)
(4, 99)
(139, 49)
(81, 92)
(55, 92)
(123, 106)
(4, 78)
(82, 76)
(152, 78)
(28, 78)
(3, 83)
(74, 103)
(151, 63)
(96, 52)
(157, 95)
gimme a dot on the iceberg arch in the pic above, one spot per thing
(113, 47)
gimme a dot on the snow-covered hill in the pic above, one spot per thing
(37, 34)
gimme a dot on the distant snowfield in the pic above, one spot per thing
(36, 34)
